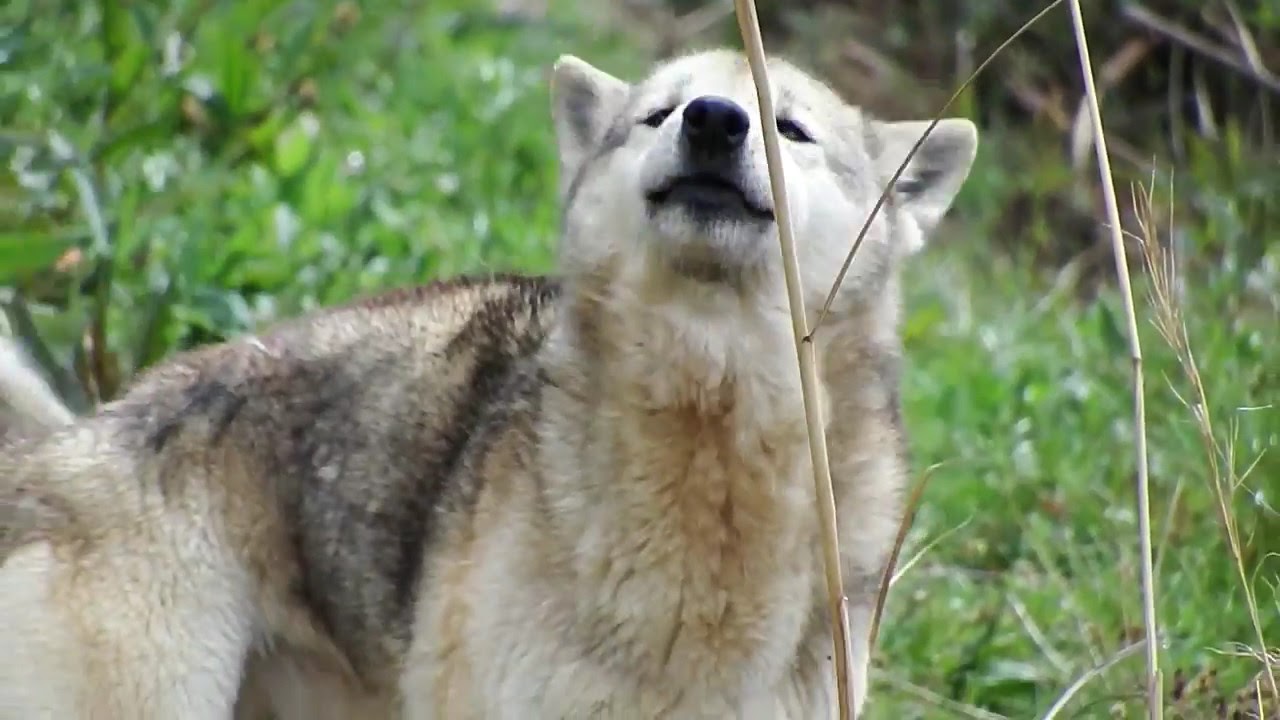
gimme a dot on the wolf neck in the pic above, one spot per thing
(679, 449)
(695, 350)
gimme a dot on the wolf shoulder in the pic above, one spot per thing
(358, 377)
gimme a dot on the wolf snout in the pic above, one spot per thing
(714, 127)
(711, 178)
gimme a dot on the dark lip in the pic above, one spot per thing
(711, 182)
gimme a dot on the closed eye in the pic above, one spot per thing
(793, 131)
(657, 117)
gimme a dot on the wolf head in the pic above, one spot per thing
(667, 178)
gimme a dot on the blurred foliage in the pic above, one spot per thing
(176, 173)
(181, 171)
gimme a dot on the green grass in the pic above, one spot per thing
(303, 153)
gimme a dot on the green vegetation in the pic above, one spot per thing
(160, 194)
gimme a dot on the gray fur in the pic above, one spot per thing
(501, 497)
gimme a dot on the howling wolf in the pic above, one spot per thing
(580, 496)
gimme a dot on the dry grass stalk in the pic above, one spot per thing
(1061, 703)
(749, 28)
(939, 703)
(893, 181)
(749, 25)
(1155, 696)
(886, 580)
(918, 493)
(1168, 320)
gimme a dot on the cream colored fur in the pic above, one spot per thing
(503, 498)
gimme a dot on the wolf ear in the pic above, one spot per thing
(930, 182)
(584, 101)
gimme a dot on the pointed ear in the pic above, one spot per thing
(930, 182)
(584, 101)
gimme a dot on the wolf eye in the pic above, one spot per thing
(793, 131)
(657, 117)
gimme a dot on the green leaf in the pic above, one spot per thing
(292, 150)
(218, 311)
(1109, 331)
(23, 253)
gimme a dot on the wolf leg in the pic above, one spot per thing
(860, 614)
(119, 630)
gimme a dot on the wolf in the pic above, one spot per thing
(581, 495)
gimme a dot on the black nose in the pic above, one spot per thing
(714, 126)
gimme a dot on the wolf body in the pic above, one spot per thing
(587, 496)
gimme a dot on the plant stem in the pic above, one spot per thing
(1155, 705)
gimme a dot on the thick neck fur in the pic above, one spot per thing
(677, 466)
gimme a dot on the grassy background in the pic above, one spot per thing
(178, 173)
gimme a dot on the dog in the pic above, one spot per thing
(586, 495)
